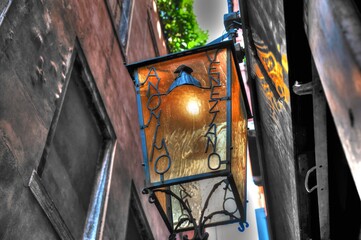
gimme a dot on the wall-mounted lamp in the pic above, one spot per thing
(193, 116)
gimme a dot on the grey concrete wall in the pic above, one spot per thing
(37, 40)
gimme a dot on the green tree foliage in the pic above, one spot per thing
(180, 25)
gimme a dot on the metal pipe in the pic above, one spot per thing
(231, 32)
(99, 200)
(230, 6)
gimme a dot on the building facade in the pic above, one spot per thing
(70, 154)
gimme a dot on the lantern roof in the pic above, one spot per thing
(225, 44)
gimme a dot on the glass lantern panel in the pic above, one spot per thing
(185, 124)
(239, 137)
(210, 199)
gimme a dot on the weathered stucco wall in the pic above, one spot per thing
(37, 40)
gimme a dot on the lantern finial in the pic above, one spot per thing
(184, 78)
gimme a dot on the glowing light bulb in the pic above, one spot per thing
(193, 107)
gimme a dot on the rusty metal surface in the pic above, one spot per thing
(334, 34)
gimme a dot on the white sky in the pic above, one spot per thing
(210, 16)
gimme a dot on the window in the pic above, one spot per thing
(120, 12)
(77, 158)
(138, 227)
(125, 18)
(152, 34)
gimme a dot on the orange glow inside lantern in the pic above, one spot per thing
(193, 117)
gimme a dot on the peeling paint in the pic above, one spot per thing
(37, 37)
(47, 20)
(54, 68)
(40, 70)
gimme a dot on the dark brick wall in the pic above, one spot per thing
(37, 40)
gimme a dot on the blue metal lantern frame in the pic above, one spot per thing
(155, 186)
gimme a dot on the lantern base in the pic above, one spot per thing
(176, 206)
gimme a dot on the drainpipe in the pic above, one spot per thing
(230, 6)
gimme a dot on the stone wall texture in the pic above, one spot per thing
(37, 39)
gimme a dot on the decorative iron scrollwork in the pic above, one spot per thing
(186, 211)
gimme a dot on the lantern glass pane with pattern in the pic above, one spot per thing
(193, 118)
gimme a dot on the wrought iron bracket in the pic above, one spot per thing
(302, 88)
(198, 228)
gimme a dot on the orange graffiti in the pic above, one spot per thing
(275, 71)
(272, 103)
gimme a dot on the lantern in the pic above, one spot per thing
(193, 118)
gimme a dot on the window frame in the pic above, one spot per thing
(124, 30)
(94, 224)
(4, 10)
